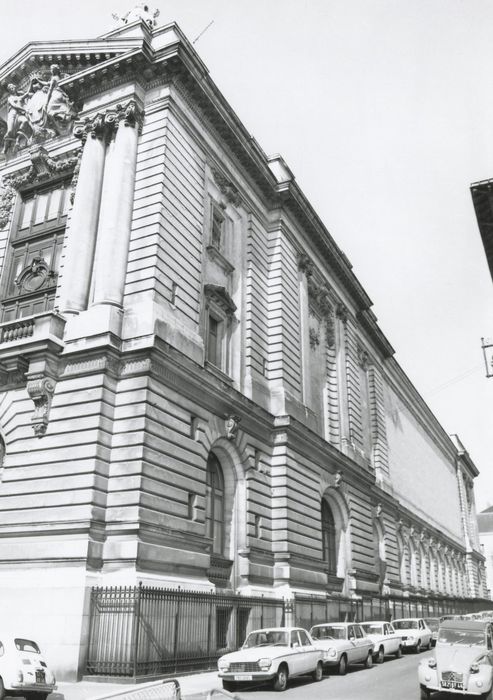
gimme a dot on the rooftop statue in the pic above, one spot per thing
(43, 111)
(141, 11)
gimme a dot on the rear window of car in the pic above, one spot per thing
(328, 632)
(26, 645)
(405, 624)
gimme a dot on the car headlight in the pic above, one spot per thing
(474, 668)
(432, 663)
(223, 665)
(411, 639)
(264, 664)
(330, 653)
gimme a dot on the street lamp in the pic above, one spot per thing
(487, 345)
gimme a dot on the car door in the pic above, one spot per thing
(295, 659)
(363, 643)
(489, 643)
(392, 640)
(352, 653)
(309, 652)
(424, 633)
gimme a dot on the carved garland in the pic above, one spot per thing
(321, 298)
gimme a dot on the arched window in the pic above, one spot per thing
(214, 514)
(329, 547)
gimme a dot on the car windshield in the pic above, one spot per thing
(328, 632)
(372, 629)
(458, 636)
(267, 638)
(26, 645)
(432, 623)
(405, 624)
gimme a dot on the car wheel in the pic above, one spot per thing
(281, 679)
(342, 665)
(424, 694)
(318, 673)
(380, 657)
(486, 696)
(398, 653)
(229, 685)
(2, 690)
(417, 648)
(369, 660)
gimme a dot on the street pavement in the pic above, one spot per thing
(396, 679)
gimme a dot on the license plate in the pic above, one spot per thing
(40, 677)
(243, 677)
(452, 685)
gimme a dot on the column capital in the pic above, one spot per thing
(130, 114)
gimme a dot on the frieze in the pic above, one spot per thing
(43, 111)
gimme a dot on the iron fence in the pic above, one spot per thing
(147, 632)
(311, 610)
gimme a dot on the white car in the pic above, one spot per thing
(272, 654)
(416, 634)
(463, 661)
(385, 639)
(343, 643)
(23, 669)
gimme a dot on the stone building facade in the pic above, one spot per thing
(195, 390)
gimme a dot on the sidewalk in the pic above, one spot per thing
(88, 690)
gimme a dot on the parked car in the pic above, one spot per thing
(23, 669)
(385, 639)
(272, 654)
(463, 660)
(433, 623)
(343, 643)
(416, 635)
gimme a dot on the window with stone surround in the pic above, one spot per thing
(214, 512)
(220, 310)
(31, 271)
(329, 537)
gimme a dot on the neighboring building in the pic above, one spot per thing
(482, 196)
(485, 525)
(195, 390)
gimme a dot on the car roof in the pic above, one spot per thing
(375, 622)
(278, 629)
(465, 624)
(407, 619)
(336, 624)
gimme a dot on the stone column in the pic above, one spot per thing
(115, 219)
(81, 239)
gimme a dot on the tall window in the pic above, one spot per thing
(214, 516)
(30, 279)
(214, 339)
(329, 547)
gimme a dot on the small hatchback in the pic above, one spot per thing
(23, 670)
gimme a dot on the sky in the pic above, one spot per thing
(383, 109)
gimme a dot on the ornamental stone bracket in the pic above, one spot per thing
(321, 299)
(40, 389)
(232, 423)
(227, 189)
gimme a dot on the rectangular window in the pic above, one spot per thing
(217, 226)
(30, 277)
(214, 341)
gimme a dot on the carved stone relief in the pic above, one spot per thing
(141, 11)
(227, 188)
(321, 299)
(232, 423)
(43, 111)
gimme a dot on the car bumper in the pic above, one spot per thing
(409, 643)
(429, 679)
(252, 677)
(31, 688)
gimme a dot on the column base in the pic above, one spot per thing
(101, 324)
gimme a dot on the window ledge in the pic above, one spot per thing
(218, 373)
(216, 255)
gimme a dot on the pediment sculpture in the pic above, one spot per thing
(43, 111)
(142, 11)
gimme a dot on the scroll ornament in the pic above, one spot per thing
(41, 390)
